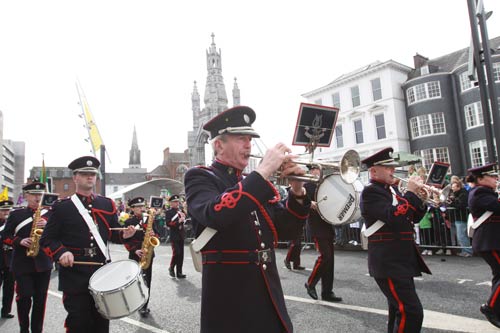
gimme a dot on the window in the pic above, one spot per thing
(358, 131)
(465, 82)
(336, 100)
(355, 96)
(318, 101)
(423, 91)
(66, 187)
(376, 89)
(424, 70)
(432, 155)
(380, 124)
(339, 137)
(473, 115)
(427, 124)
(496, 71)
(478, 153)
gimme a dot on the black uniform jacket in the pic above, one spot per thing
(21, 263)
(134, 243)
(177, 231)
(245, 297)
(66, 230)
(482, 199)
(5, 250)
(319, 227)
(392, 251)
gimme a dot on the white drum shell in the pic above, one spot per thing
(118, 289)
(338, 201)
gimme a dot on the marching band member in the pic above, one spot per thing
(134, 244)
(71, 236)
(323, 235)
(6, 275)
(32, 273)
(175, 218)
(393, 257)
(239, 263)
(485, 209)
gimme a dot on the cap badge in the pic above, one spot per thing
(37, 186)
(246, 118)
(89, 163)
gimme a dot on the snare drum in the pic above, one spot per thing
(338, 201)
(118, 289)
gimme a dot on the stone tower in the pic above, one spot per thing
(215, 101)
(134, 154)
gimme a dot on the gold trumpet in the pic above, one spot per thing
(426, 192)
(348, 168)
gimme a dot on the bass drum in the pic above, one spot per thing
(118, 289)
(338, 201)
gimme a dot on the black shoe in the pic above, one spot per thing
(311, 291)
(490, 315)
(287, 264)
(144, 312)
(298, 268)
(181, 276)
(331, 297)
(171, 272)
(7, 316)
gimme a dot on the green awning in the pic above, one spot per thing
(405, 158)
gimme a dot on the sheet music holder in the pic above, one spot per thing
(48, 199)
(437, 174)
(155, 202)
(315, 126)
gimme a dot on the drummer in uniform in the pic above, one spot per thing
(241, 289)
(6, 276)
(393, 257)
(72, 239)
(483, 200)
(323, 235)
(134, 244)
(32, 274)
(175, 218)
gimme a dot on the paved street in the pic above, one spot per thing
(451, 297)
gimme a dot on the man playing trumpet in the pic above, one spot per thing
(393, 257)
(239, 262)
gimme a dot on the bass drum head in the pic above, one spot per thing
(114, 275)
(338, 201)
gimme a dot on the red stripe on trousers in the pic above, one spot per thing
(400, 306)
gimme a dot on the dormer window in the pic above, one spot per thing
(424, 70)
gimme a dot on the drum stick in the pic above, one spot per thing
(120, 229)
(323, 199)
(92, 263)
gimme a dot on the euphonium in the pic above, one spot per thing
(35, 235)
(149, 243)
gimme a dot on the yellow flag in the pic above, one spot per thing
(95, 137)
(5, 194)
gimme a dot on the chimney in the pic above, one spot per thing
(419, 61)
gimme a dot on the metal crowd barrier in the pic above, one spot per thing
(445, 231)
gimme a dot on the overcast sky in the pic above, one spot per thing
(137, 60)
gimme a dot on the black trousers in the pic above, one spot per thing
(405, 310)
(83, 316)
(7, 283)
(324, 265)
(293, 254)
(177, 255)
(492, 258)
(31, 289)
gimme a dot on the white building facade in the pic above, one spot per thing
(372, 110)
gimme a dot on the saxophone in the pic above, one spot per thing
(35, 235)
(149, 242)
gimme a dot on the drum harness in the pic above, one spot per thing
(91, 224)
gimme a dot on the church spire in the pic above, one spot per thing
(135, 153)
(236, 94)
(215, 91)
